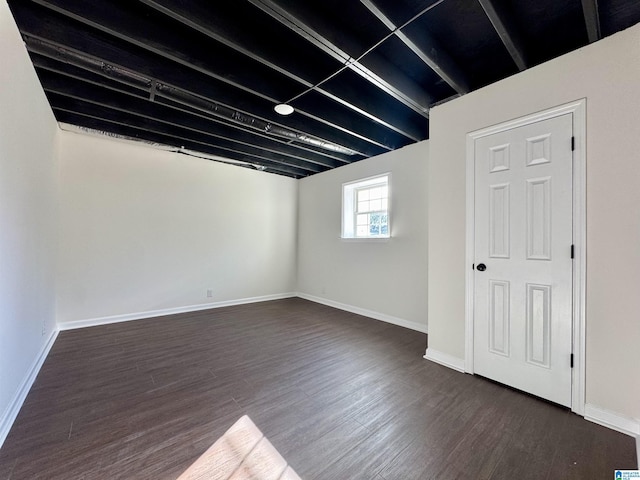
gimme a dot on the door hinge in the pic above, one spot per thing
(572, 360)
(572, 251)
(573, 143)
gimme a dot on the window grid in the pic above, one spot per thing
(370, 214)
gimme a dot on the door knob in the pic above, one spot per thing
(481, 267)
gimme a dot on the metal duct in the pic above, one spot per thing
(175, 94)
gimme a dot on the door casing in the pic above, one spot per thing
(578, 111)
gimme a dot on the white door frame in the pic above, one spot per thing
(578, 111)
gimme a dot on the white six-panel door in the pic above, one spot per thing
(523, 236)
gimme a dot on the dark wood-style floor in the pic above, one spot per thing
(339, 395)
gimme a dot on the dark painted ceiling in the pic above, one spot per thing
(361, 74)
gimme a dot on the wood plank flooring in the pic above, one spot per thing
(339, 395)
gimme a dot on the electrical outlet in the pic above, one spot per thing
(209, 293)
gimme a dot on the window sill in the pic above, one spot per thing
(365, 239)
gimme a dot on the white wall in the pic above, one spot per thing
(143, 230)
(28, 173)
(386, 278)
(607, 73)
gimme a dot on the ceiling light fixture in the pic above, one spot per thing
(283, 109)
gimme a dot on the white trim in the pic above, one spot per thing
(401, 322)
(349, 192)
(10, 414)
(578, 391)
(445, 359)
(365, 239)
(613, 420)
(577, 110)
(92, 322)
(366, 181)
(469, 254)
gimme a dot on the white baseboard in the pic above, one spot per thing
(401, 322)
(10, 414)
(92, 322)
(445, 359)
(612, 420)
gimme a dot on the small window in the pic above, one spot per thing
(365, 208)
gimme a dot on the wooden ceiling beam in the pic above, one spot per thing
(57, 39)
(507, 32)
(186, 146)
(188, 116)
(249, 79)
(592, 19)
(427, 49)
(106, 103)
(190, 142)
(57, 32)
(198, 19)
(385, 77)
(135, 132)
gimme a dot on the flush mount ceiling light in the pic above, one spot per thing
(283, 109)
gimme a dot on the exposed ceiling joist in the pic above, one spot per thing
(120, 114)
(361, 76)
(137, 106)
(147, 128)
(111, 71)
(426, 48)
(592, 19)
(181, 116)
(106, 126)
(386, 77)
(371, 108)
(143, 84)
(202, 21)
(253, 78)
(507, 31)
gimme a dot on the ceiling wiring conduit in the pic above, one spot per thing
(175, 94)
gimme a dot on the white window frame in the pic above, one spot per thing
(349, 191)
